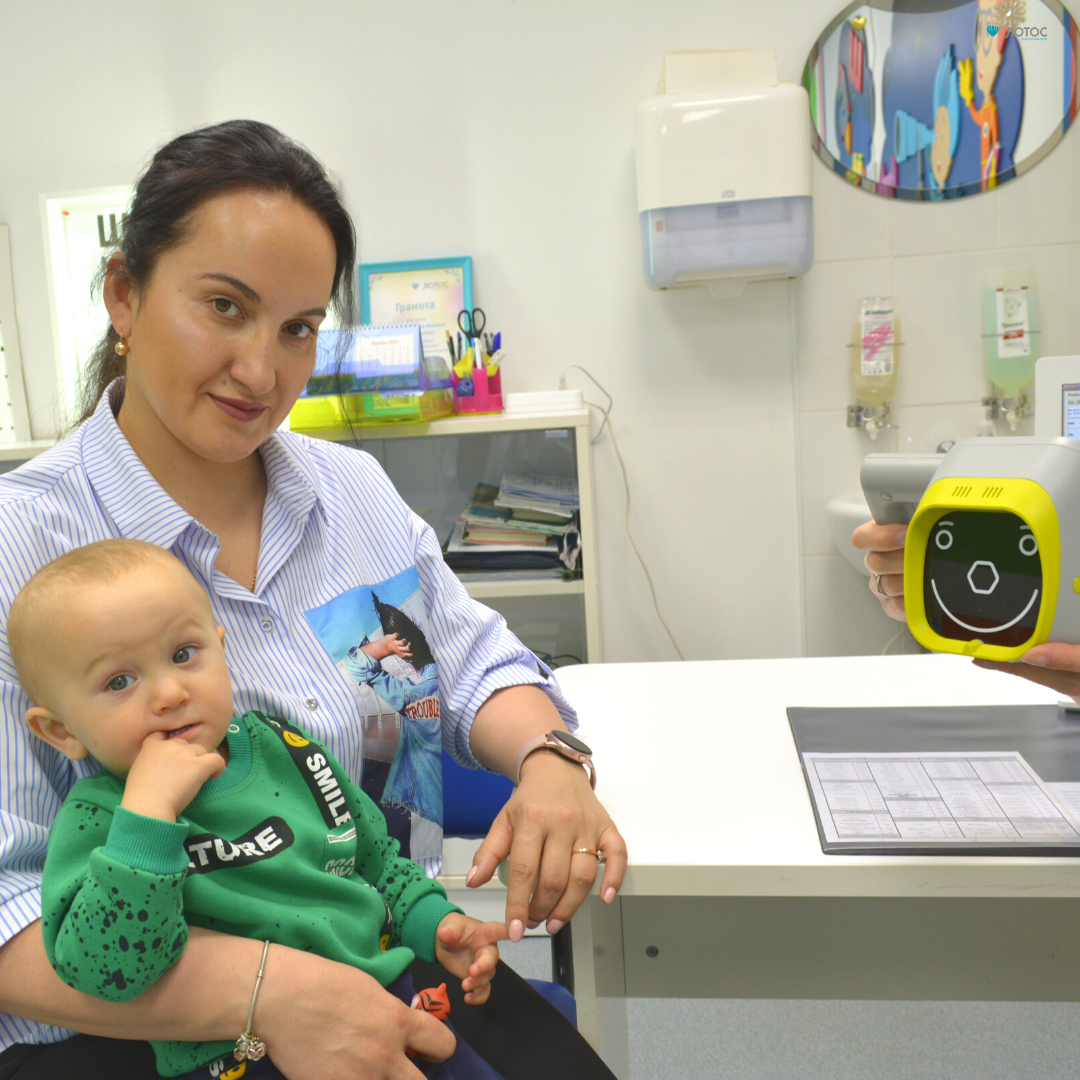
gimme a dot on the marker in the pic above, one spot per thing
(450, 346)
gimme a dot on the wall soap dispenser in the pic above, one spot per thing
(1011, 334)
(875, 355)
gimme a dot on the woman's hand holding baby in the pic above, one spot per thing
(466, 948)
(167, 775)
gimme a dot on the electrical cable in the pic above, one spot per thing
(611, 400)
(892, 641)
(626, 487)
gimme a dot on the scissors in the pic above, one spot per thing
(472, 323)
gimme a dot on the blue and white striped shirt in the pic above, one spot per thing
(332, 522)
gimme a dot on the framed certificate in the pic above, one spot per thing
(431, 292)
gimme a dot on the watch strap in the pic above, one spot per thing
(550, 741)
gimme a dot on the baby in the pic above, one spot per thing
(245, 825)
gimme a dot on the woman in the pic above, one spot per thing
(235, 247)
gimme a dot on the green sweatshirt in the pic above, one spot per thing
(282, 846)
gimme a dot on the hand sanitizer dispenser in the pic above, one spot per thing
(723, 173)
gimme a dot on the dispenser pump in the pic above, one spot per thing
(1011, 331)
(875, 359)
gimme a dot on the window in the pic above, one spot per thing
(14, 421)
(81, 230)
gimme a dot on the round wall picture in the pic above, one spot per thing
(935, 99)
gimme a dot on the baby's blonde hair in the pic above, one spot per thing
(40, 601)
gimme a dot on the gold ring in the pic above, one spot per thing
(598, 855)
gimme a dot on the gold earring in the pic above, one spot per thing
(121, 347)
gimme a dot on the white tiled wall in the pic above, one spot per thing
(931, 258)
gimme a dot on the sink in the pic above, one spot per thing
(845, 514)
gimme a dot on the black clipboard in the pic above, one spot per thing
(1047, 736)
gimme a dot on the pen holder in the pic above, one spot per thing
(486, 396)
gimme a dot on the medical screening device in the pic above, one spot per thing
(992, 553)
(1057, 396)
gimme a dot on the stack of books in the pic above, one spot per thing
(528, 523)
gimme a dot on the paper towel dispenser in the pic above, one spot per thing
(723, 173)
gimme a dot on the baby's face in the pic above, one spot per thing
(138, 655)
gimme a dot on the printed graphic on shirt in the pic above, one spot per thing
(314, 768)
(207, 852)
(226, 1069)
(379, 636)
(388, 919)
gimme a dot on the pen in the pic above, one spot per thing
(459, 352)
(450, 346)
(497, 343)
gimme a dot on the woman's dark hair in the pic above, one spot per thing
(184, 174)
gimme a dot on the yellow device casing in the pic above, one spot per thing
(1025, 499)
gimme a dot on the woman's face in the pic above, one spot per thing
(222, 336)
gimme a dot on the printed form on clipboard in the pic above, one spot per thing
(946, 798)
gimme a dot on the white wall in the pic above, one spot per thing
(931, 258)
(504, 130)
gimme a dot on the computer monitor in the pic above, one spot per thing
(1057, 396)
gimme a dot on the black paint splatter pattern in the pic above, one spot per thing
(114, 932)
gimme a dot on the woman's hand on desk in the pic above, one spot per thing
(884, 547)
(552, 812)
(1053, 665)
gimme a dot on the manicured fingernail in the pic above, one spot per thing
(470, 875)
(609, 894)
(517, 930)
(532, 924)
(1037, 661)
(555, 925)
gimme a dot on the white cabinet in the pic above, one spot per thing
(437, 465)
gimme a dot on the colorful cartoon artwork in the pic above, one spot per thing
(379, 637)
(937, 101)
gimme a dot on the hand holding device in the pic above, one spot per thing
(991, 567)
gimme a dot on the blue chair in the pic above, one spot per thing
(472, 799)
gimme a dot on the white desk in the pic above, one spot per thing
(728, 893)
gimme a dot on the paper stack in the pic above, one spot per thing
(551, 497)
(537, 530)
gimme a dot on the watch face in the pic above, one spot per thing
(983, 578)
(572, 741)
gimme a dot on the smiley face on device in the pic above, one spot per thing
(983, 577)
